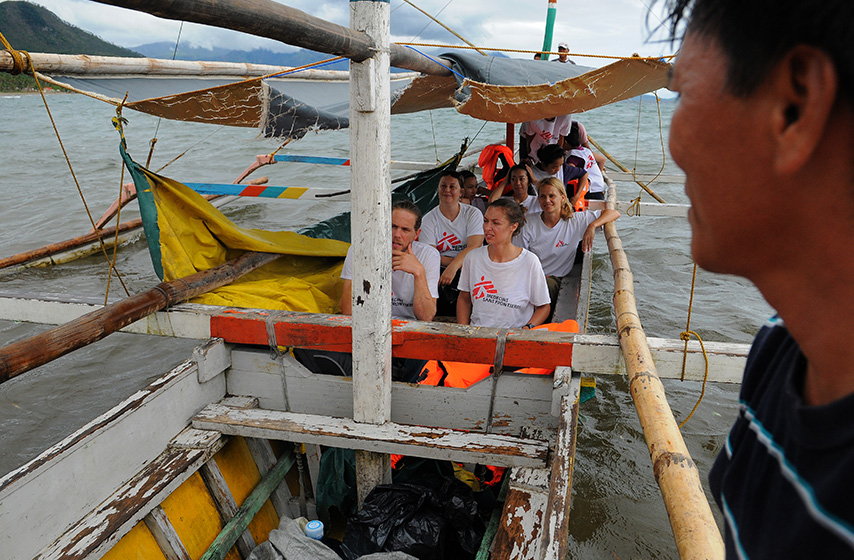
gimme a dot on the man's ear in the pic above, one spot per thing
(417, 234)
(803, 89)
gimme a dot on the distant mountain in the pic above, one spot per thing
(255, 56)
(32, 28)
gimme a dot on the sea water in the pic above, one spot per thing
(617, 511)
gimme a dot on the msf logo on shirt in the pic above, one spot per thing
(560, 244)
(448, 242)
(482, 288)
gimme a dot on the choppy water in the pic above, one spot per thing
(617, 511)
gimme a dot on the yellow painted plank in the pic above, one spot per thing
(138, 544)
(193, 514)
(241, 474)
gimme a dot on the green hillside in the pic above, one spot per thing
(32, 28)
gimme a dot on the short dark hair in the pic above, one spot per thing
(756, 34)
(465, 175)
(409, 206)
(454, 174)
(515, 212)
(550, 152)
(574, 137)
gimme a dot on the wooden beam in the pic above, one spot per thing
(226, 505)
(232, 531)
(24, 355)
(418, 441)
(628, 177)
(164, 533)
(265, 18)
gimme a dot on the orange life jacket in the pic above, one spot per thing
(571, 189)
(488, 161)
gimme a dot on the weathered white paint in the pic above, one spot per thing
(370, 185)
(265, 459)
(211, 358)
(600, 354)
(419, 441)
(64, 483)
(164, 533)
(648, 209)
(98, 531)
(521, 400)
(622, 176)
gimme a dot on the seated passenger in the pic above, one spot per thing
(414, 280)
(550, 163)
(596, 190)
(523, 193)
(454, 229)
(554, 234)
(533, 135)
(414, 265)
(502, 285)
(575, 179)
(470, 191)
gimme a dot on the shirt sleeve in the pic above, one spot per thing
(347, 269)
(464, 284)
(474, 223)
(539, 287)
(432, 263)
(590, 216)
(428, 231)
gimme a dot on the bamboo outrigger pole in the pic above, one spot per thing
(24, 355)
(266, 18)
(694, 529)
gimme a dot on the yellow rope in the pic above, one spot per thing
(634, 208)
(279, 149)
(622, 167)
(686, 336)
(74, 175)
(118, 221)
(526, 51)
(17, 59)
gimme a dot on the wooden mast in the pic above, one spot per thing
(370, 185)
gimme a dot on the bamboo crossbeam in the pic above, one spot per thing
(623, 168)
(266, 18)
(24, 355)
(694, 529)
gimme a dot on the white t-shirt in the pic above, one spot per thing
(539, 174)
(555, 246)
(545, 132)
(531, 204)
(450, 238)
(403, 283)
(594, 174)
(503, 295)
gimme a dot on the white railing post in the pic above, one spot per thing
(370, 184)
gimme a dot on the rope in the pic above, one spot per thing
(622, 167)
(686, 336)
(153, 141)
(118, 221)
(17, 59)
(74, 175)
(448, 29)
(435, 144)
(427, 56)
(526, 51)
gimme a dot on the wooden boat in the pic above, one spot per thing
(184, 453)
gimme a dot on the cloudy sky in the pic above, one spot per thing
(611, 27)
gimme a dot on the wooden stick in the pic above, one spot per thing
(622, 167)
(72, 243)
(691, 519)
(24, 355)
(266, 18)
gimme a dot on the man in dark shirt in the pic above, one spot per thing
(776, 79)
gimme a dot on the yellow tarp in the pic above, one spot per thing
(195, 236)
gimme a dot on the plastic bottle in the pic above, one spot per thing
(314, 530)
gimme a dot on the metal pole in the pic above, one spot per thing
(550, 23)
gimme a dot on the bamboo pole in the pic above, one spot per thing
(24, 355)
(266, 18)
(72, 243)
(622, 167)
(694, 528)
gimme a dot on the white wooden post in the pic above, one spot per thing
(370, 184)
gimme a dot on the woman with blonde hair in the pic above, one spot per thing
(555, 234)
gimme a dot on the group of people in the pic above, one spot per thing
(442, 266)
